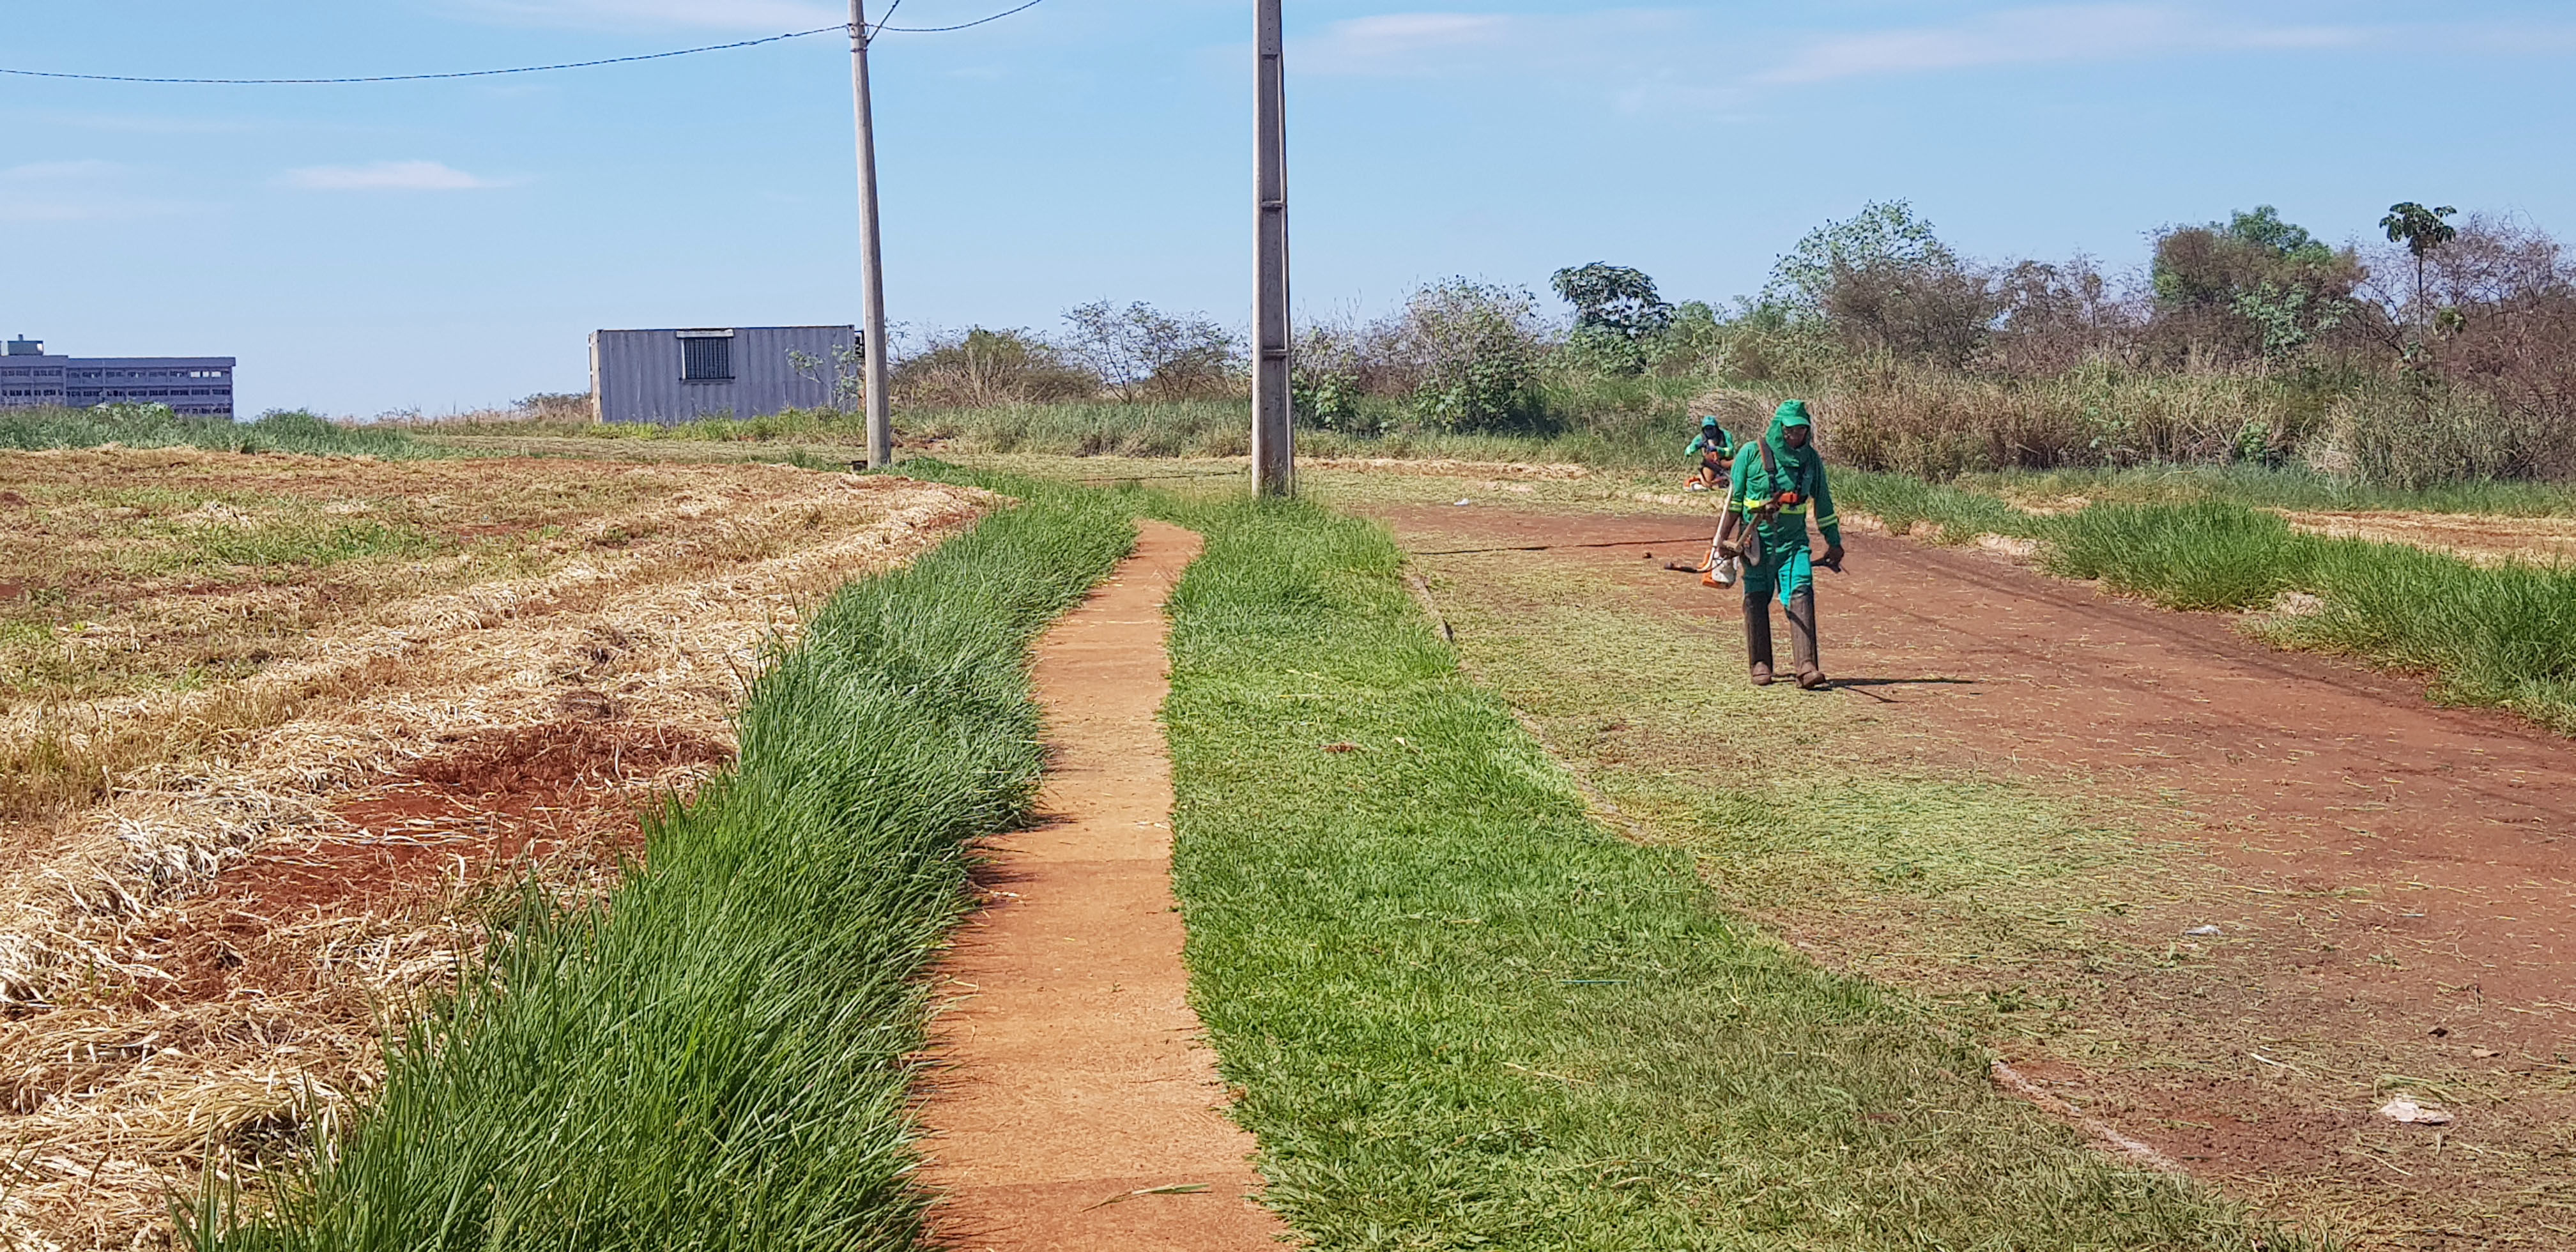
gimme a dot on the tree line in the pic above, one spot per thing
(2445, 349)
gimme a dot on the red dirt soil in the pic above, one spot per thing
(2396, 880)
(1077, 1108)
(468, 818)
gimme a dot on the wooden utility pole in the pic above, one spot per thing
(1274, 466)
(871, 253)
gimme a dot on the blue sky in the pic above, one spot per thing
(448, 245)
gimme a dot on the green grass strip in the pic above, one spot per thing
(1464, 1016)
(717, 1058)
(29, 430)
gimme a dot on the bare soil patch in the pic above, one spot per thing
(1076, 1107)
(196, 959)
(2478, 537)
(2364, 895)
(1445, 467)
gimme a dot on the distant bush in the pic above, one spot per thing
(1473, 352)
(1142, 353)
(979, 367)
(1938, 423)
(1462, 357)
(2414, 432)
(557, 406)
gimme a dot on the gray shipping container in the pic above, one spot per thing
(667, 376)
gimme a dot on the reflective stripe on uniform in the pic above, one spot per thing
(1828, 519)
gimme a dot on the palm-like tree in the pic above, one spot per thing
(2421, 230)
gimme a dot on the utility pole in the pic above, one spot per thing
(871, 252)
(1274, 466)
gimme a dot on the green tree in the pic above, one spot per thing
(1884, 235)
(1617, 312)
(2421, 230)
(1472, 350)
(2253, 284)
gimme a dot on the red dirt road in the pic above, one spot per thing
(1077, 1109)
(2396, 882)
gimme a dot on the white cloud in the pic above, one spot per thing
(1657, 60)
(1387, 40)
(386, 176)
(761, 16)
(2040, 35)
(1411, 44)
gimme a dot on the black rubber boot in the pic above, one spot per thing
(1802, 639)
(1757, 637)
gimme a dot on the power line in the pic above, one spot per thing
(521, 69)
(941, 30)
(409, 78)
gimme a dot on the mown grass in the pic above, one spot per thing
(717, 1057)
(1463, 1015)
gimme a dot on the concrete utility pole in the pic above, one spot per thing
(1274, 466)
(871, 252)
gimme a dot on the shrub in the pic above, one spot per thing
(1937, 423)
(1141, 353)
(2415, 431)
(980, 367)
(1473, 352)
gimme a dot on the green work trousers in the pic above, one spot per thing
(1785, 571)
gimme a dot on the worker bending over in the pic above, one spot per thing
(1778, 480)
(1716, 452)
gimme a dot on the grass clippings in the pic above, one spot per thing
(1464, 1015)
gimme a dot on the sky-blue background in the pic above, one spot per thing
(440, 246)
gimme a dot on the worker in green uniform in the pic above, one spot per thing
(1715, 450)
(1778, 481)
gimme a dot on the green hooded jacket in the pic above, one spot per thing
(1711, 436)
(1793, 469)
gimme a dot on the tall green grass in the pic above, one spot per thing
(1464, 1016)
(717, 1056)
(150, 426)
(2289, 487)
(2501, 635)
(2494, 635)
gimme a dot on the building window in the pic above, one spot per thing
(706, 359)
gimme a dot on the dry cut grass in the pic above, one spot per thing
(272, 767)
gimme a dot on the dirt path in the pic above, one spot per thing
(1077, 1109)
(2395, 882)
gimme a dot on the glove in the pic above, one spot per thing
(1833, 557)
